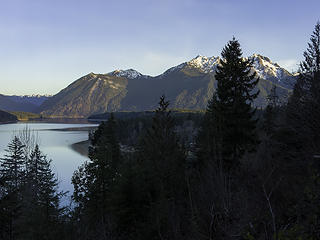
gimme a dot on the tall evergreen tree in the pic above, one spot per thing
(12, 175)
(95, 180)
(304, 105)
(162, 160)
(303, 114)
(230, 115)
(40, 197)
(12, 165)
(228, 131)
(310, 67)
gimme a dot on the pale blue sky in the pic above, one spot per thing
(47, 44)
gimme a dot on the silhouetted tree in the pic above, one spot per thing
(162, 161)
(95, 180)
(303, 114)
(41, 212)
(304, 105)
(229, 122)
(12, 175)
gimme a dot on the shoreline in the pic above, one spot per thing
(8, 122)
(81, 147)
(74, 129)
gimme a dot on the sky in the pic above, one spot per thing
(45, 45)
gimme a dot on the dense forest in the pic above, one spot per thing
(235, 173)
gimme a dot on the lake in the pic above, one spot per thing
(54, 143)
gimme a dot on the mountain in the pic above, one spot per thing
(35, 99)
(188, 86)
(7, 117)
(27, 103)
(93, 93)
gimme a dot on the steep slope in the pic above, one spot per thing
(189, 85)
(93, 93)
(184, 86)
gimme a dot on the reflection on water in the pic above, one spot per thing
(55, 144)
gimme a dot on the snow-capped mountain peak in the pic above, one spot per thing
(266, 69)
(129, 73)
(36, 95)
(265, 66)
(206, 64)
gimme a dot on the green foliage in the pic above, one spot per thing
(12, 165)
(304, 106)
(163, 171)
(139, 197)
(230, 128)
(12, 175)
(41, 212)
(29, 198)
(94, 182)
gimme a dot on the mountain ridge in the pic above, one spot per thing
(27, 103)
(188, 85)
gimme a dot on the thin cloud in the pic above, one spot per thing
(291, 65)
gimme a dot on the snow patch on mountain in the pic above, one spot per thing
(266, 69)
(263, 66)
(35, 99)
(206, 64)
(129, 73)
(36, 96)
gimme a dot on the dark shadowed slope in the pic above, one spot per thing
(188, 86)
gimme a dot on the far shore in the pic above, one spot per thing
(85, 129)
(79, 147)
(8, 122)
(57, 120)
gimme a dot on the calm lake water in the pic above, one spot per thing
(55, 144)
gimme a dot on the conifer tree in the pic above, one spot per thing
(230, 114)
(310, 67)
(12, 175)
(95, 180)
(303, 114)
(12, 165)
(303, 109)
(162, 160)
(40, 197)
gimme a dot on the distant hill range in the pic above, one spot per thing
(27, 103)
(188, 86)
